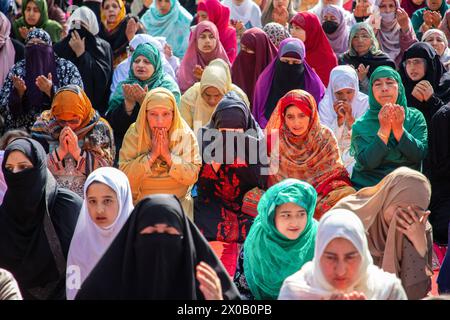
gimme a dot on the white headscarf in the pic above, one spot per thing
(309, 283)
(247, 11)
(445, 57)
(85, 15)
(342, 77)
(90, 241)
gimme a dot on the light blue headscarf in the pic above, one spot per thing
(174, 26)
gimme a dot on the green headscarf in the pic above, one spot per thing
(374, 48)
(52, 27)
(269, 256)
(158, 79)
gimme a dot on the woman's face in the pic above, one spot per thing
(387, 6)
(415, 68)
(434, 4)
(72, 121)
(212, 96)
(112, 10)
(329, 17)
(247, 49)
(206, 42)
(298, 32)
(17, 161)
(280, 3)
(346, 94)
(437, 42)
(361, 42)
(32, 14)
(290, 220)
(163, 6)
(102, 204)
(143, 68)
(385, 90)
(296, 121)
(202, 16)
(160, 118)
(340, 263)
(290, 60)
(418, 2)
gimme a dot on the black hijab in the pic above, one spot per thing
(25, 249)
(287, 77)
(155, 266)
(232, 112)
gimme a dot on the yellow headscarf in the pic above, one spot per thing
(119, 19)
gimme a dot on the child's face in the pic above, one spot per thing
(102, 203)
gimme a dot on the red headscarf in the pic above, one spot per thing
(319, 54)
(247, 67)
(220, 16)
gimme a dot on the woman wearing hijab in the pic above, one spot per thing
(302, 148)
(393, 29)
(439, 164)
(77, 139)
(128, 270)
(245, 12)
(199, 102)
(146, 73)
(282, 238)
(257, 52)
(160, 153)
(335, 28)
(412, 6)
(106, 207)
(30, 215)
(279, 11)
(169, 20)
(121, 71)
(32, 82)
(342, 268)
(8, 54)
(341, 105)
(319, 53)
(437, 39)
(421, 72)
(219, 14)
(322, 4)
(390, 134)
(117, 28)
(287, 72)
(204, 46)
(90, 54)
(399, 235)
(276, 33)
(364, 54)
(35, 14)
(429, 17)
(233, 159)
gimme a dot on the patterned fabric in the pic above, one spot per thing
(276, 33)
(251, 200)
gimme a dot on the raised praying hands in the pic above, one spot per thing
(77, 44)
(423, 91)
(198, 71)
(403, 19)
(209, 281)
(160, 146)
(411, 221)
(131, 29)
(45, 84)
(68, 144)
(19, 84)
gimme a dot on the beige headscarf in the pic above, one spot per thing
(216, 74)
(402, 186)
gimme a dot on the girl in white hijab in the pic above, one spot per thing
(107, 205)
(345, 275)
(341, 105)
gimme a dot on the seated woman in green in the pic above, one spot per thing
(390, 134)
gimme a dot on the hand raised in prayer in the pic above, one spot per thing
(425, 89)
(45, 84)
(72, 143)
(417, 93)
(428, 18)
(362, 71)
(131, 29)
(403, 19)
(340, 112)
(411, 221)
(63, 148)
(138, 92)
(77, 44)
(155, 151)
(130, 99)
(164, 145)
(397, 116)
(280, 15)
(209, 281)
(355, 295)
(19, 84)
(24, 32)
(384, 120)
(198, 71)
(436, 18)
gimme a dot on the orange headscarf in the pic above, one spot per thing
(119, 18)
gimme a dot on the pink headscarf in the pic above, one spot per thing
(7, 52)
(220, 16)
(194, 56)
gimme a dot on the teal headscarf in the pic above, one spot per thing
(158, 79)
(269, 256)
(417, 17)
(374, 48)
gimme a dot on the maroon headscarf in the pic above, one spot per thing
(247, 67)
(410, 7)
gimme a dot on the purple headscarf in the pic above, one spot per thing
(312, 82)
(339, 38)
